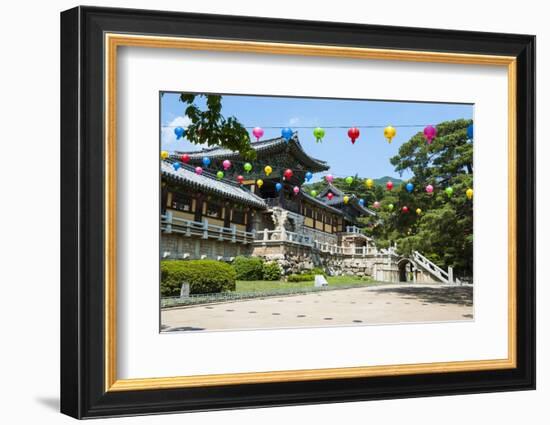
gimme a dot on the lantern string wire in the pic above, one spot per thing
(293, 127)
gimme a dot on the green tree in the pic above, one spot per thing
(443, 232)
(210, 127)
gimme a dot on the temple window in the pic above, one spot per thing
(181, 202)
(214, 210)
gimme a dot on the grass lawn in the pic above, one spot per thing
(265, 285)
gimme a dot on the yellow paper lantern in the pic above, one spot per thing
(418, 211)
(346, 199)
(470, 193)
(369, 183)
(260, 182)
(164, 154)
(389, 133)
(268, 170)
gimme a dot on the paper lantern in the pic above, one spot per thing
(329, 178)
(288, 173)
(470, 193)
(296, 190)
(369, 183)
(405, 209)
(258, 132)
(389, 133)
(410, 187)
(330, 195)
(220, 175)
(430, 132)
(286, 134)
(362, 202)
(449, 191)
(418, 211)
(180, 132)
(353, 134)
(319, 133)
(164, 154)
(247, 167)
(206, 161)
(346, 199)
(313, 193)
(176, 166)
(185, 158)
(226, 164)
(240, 179)
(349, 180)
(429, 189)
(389, 185)
(309, 176)
(278, 187)
(198, 170)
(260, 183)
(376, 204)
(390, 207)
(268, 170)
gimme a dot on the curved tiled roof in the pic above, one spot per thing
(209, 183)
(263, 147)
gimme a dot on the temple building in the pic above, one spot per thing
(205, 216)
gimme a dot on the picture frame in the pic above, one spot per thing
(90, 40)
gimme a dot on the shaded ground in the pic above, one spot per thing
(357, 306)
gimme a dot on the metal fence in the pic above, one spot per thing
(197, 299)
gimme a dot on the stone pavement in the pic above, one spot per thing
(396, 303)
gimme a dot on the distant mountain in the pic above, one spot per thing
(383, 180)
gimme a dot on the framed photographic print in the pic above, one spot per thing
(261, 212)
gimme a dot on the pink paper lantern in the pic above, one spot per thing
(226, 164)
(258, 132)
(376, 204)
(296, 190)
(429, 188)
(329, 178)
(198, 170)
(430, 132)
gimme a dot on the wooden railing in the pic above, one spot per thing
(204, 229)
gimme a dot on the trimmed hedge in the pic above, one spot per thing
(203, 276)
(300, 277)
(271, 271)
(249, 268)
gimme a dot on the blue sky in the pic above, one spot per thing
(368, 157)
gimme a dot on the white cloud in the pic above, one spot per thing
(168, 137)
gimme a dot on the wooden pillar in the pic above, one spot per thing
(198, 207)
(249, 220)
(228, 212)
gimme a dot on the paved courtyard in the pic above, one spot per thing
(344, 307)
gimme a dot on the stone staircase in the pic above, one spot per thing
(434, 270)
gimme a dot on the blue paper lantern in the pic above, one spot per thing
(180, 132)
(278, 187)
(286, 133)
(470, 131)
(409, 187)
(176, 166)
(309, 175)
(362, 202)
(206, 161)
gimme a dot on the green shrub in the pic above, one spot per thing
(317, 270)
(203, 276)
(271, 271)
(249, 268)
(300, 277)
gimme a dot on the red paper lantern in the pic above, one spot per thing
(185, 158)
(353, 134)
(330, 196)
(405, 209)
(288, 173)
(389, 185)
(240, 179)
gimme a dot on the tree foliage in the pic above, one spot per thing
(443, 231)
(210, 127)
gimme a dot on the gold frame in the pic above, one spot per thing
(113, 41)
